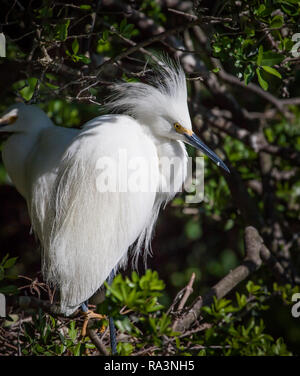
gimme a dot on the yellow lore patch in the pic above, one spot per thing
(180, 129)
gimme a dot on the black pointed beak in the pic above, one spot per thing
(197, 143)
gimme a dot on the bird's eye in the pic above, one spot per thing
(177, 126)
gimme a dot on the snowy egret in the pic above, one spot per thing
(86, 232)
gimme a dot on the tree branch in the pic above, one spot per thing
(255, 140)
(26, 302)
(97, 341)
(256, 252)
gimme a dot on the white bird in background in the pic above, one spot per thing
(86, 232)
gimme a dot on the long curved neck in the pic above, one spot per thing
(15, 153)
(173, 166)
(173, 160)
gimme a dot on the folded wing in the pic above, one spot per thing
(89, 225)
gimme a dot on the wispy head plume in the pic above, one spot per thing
(165, 91)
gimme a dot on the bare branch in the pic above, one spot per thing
(188, 292)
(97, 341)
(256, 252)
(26, 302)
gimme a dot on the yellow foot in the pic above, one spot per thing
(88, 316)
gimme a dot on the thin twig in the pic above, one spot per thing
(253, 260)
(92, 333)
(188, 291)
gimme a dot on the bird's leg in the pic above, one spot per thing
(89, 315)
(112, 328)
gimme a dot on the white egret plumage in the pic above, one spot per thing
(86, 233)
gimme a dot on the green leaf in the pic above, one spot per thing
(122, 25)
(271, 58)
(76, 351)
(128, 29)
(124, 348)
(45, 12)
(241, 300)
(260, 9)
(217, 49)
(2, 274)
(124, 325)
(27, 92)
(72, 331)
(75, 46)
(51, 86)
(286, 44)
(134, 276)
(90, 346)
(4, 259)
(85, 7)
(10, 263)
(248, 74)
(271, 70)
(252, 288)
(260, 55)
(277, 22)
(261, 81)
(62, 30)
(116, 293)
(84, 59)
(193, 230)
(105, 35)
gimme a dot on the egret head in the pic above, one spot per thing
(161, 107)
(21, 118)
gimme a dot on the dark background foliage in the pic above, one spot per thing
(244, 96)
